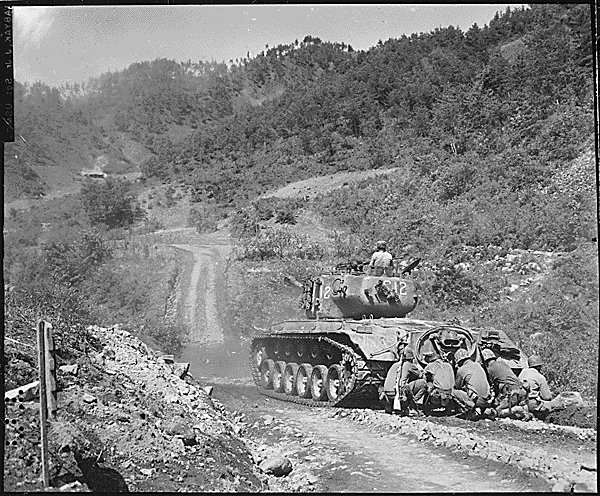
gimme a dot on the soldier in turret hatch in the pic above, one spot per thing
(381, 259)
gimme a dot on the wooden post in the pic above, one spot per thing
(50, 371)
(41, 342)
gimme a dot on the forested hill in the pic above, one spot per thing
(509, 103)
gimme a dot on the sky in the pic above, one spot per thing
(71, 44)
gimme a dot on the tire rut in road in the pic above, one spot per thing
(202, 314)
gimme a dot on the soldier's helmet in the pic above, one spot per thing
(461, 355)
(487, 354)
(408, 354)
(381, 245)
(534, 361)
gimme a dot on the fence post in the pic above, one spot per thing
(50, 371)
(41, 342)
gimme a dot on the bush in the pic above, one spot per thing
(204, 218)
(279, 244)
(111, 203)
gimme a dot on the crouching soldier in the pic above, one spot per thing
(440, 382)
(510, 395)
(404, 382)
(471, 388)
(411, 386)
(539, 400)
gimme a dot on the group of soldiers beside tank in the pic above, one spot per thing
(476, 390)
(468, 388)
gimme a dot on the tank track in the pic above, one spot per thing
(356, 391)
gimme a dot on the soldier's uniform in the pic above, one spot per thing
(381, 259)
(471, 387)
(440, 383)
(539, 400)
(508, 389)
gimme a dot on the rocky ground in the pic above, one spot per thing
(126, 421)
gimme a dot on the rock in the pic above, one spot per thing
(581, 487)
(146, 471)
(181, 369)
(175, 428)
(276, 465)
(74, 487)
(89, 398)
(24, 393)
(189, 438)
(69, 369)
(209, 390)
(567, 398)
(468, 444)
(562, 486)
(171, 398)
(269, 419)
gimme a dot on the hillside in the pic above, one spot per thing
(472, 151)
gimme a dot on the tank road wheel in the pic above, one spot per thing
(259, 353)
(289, 379)
(335, 385)
(301, 349)
(266, 374)
(318, 379)
(277, 380)
(303, 380)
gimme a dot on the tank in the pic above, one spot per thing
(355, 329)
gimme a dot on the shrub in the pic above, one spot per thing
(111, 203)
(204, 218)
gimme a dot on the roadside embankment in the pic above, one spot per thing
(127, 421)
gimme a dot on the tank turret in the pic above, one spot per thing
(348, 292)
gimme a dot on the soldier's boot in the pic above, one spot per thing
(388, 404)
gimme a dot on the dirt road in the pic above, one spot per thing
(200, 300)
(338, 454)
(328, 453)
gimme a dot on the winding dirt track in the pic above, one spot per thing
(201, 312)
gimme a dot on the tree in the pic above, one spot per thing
(111, 203)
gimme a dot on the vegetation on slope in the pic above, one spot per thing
(490, 131)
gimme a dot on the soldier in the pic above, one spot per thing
(381, 259)
(539, 399)
(440, 383)
(411, 385)
(471, 388)
(404, 381)
(510, 395)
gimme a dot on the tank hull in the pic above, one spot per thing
(337, 362)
